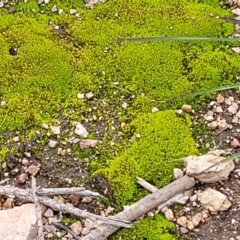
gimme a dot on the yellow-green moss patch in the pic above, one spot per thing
(154, 228)
(160, 140)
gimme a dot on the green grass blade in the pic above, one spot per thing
(231, 158)
(217, 89)
(146, 39)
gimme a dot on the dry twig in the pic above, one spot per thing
(26, 195)
(38, 209)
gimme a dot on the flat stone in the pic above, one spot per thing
(195, 165)
(19, 223)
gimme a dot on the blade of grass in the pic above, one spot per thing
(146, 39)
(217, 89)
(228, 159)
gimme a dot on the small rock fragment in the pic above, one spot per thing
(183, 230)
(169, 215)
(233, 108)
(77, 228)
(22, 178)
(177, 173)
(80, 95)
(190, 225)
(89, 143)
(235, 143)
(52, 143)
(8, 204)
(179, 111)
(196, 219)
(72, 11)
(45, 126)
(124, 105)
(227, 101)
(33, 170)
(80, 130)
(89, 95)
(187, 108)
(214, 200)
(213, 125)
(109, 211)
(75, 199)
(56, 130)
(182, 221)
(86, 200)
(155, 109)
(54, 8)
(48, 213)
(219, 109)
(220, 98)
(222, 125)
(16, 139)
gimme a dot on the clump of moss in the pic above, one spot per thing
(154, 228)
(164, 139)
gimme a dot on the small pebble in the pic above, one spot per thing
(235, 143)
(54, 8)
(222, 125)
(72, 11)
(52, 144)
(89, 95)
(187, 108)
(124, 105)
(155, 109)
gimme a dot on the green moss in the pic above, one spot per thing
(154, 228)
(164, 139)
(3, 152)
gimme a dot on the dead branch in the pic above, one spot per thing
(38, 209)
(142, 207)
(146, 185)
(65, 191)
(26, 195)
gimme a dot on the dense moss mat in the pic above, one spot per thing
(160, 141)
(42, 81)
(154, 228)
